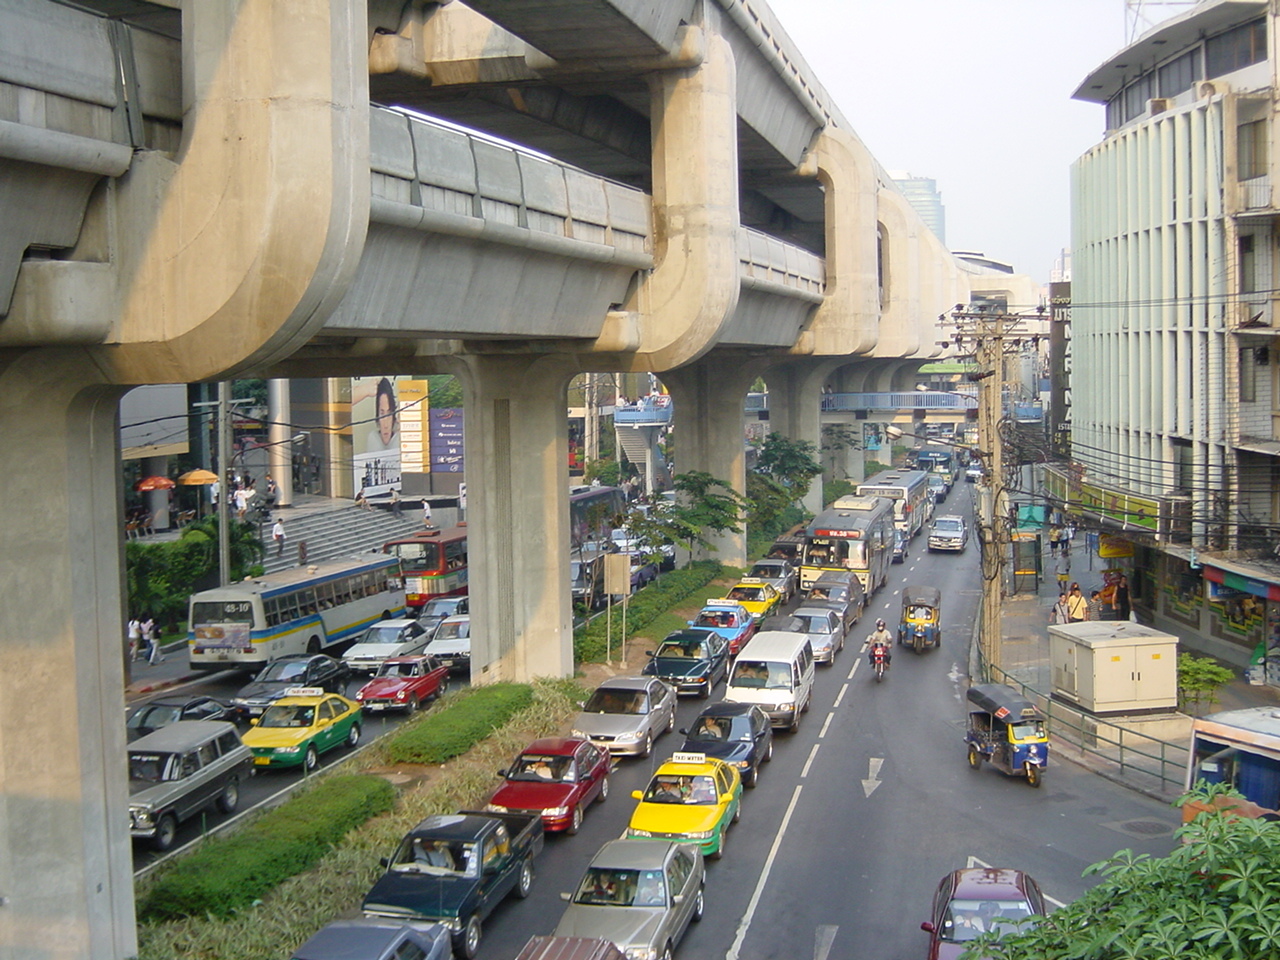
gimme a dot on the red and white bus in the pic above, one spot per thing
(434, 564)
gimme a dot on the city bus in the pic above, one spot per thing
(1240, 748)
(854, 535)
(909, 491)
(593, 513)
(945, 463)
(434, 563)
(306, 609)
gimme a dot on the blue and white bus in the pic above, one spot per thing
(909, 491)
(854, 534)
(307, 609)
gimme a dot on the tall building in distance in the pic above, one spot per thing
(922, 193)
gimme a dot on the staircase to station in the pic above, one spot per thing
(336, 531)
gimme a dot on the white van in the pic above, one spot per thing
(774, 670)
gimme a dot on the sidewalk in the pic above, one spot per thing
(174, 670)
(1145, 754)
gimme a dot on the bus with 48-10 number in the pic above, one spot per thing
(306, 609)
(854, 535)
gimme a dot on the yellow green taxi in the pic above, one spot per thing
(692, 798)
(301, 725)
(760, 597)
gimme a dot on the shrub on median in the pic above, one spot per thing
(472, 716)
(589, 642)
(229, 873)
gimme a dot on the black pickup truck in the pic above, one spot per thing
(455, 869)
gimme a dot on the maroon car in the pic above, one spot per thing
(404, 683)
(556, 778)
(972, 902)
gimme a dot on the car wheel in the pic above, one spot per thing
(230, 796)
(467, 944)
(704, 693)
(443, 688)
(353, 735)
(524, 882)
(737, 813)
(752, 777)
(647, 749)
(603, 795)
(312, 759)
(724, 835)
(166, 832)
(666, 953)
(313, 645)
(412, 705)
(768, 754)
(699, 906)
(1033, 774)
(575, 820)
(975, 758)
(671, 720)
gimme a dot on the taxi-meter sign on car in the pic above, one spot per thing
(617, 574)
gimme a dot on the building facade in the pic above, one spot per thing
(922, 193)
(1174, 434)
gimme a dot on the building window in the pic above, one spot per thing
(1251, 149)
(1236, 48)
(1248, 264)
(1183, 465)
(1248, 374)
(1136, 96)
(1179, 75)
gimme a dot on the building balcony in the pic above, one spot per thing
(1255, 196)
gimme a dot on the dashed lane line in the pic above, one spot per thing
(808, 763)
(745, 923)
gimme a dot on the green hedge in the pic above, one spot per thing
(589, 642)
(472, 716)
(229, 873)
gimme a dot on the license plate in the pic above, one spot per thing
(262, 761)
(375, 707)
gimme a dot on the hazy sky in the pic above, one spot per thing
(975, 94)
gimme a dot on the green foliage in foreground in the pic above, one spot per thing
(1199, 679)
(1215, 897)
(229, 873)
(450, 733)
(590, 641)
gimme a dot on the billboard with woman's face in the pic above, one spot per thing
(375, 434)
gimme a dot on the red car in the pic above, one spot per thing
(556, 778)
(404, 683)
(976, 901)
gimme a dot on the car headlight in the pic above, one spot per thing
(453, 923)
(700, 834)
(287, 749)
(578, 733)
(495, 808)
(641, 953)
(742, 764)
(141, 816)
(786, 707)
(239, 701)
(554, 811)
(634, 735)
(402, 694)
(359, 694)
(632, 832)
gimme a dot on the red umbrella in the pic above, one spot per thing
(154, 483)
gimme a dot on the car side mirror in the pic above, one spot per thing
(502, 773)
(385, 861)
(928, 927)
(564, 895)
(637, 795)
(648, 653)
(678, 899)
(582, 704)
(253, 721)
(684, 731)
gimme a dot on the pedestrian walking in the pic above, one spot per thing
(1059, 613)
(426, 514)
(1055, 539)
(135, 638)
(278, 535)
(1120, 601)
(1077, 605)
(152, 637)
(396, 510)
(1094, 605)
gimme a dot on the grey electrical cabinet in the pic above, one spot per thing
(1114, 666)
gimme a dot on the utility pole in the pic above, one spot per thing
(990, 334)
(224, 481)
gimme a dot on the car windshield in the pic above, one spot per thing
(747, 594)
(968, 919)
(440, 608)
(400, 670)
(288, 715)
(721, 618)
(622, 888)
(717, 729)
(948, 526)
(285, 670)
(762, 673)
(684, 650)
(151, 767)
(765, 571)
(457, 630)
(814, 623)
(688, 789)
(1027, 731)
(153, 716)
(605, 700)
(541, 769)
(382, 634)
(439, 858)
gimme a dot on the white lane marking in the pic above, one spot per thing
(873, 775)
(745, 922)
(972, 862)
(840, 696)
(855, 668)
(822, 940)
(823, 732)
(808, 763)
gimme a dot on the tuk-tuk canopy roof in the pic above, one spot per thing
(1003, 703)
(929, 596)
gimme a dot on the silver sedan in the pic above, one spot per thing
(626, 714)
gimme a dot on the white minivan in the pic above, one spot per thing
(775, 671)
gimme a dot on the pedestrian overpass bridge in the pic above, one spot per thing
(245, 188)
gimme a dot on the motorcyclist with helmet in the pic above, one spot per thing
(880, 643)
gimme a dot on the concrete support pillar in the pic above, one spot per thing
(66, 872)
(517, 433)
(708, 398)
(280, 453)
(795, 399)
(157, 500)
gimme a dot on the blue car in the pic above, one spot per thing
(730, 619)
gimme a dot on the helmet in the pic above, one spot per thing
(880, 624)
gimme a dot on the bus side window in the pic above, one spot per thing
(270, 612)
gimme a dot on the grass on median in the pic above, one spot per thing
(443, 735)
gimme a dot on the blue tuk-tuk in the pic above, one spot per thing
(1008, 731)
(921, 623)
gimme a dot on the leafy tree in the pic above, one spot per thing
(836, 438)
(1199, 679)
(1215, 897)
(789, 462)
(833, 490)
(444, 392)
(704, 505)
(608, 472)
(767, 501)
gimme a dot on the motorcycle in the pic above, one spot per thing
(879, 663)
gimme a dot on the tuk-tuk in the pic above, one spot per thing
(921, 623)
(1006, 729)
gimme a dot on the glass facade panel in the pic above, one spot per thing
(1236, 48)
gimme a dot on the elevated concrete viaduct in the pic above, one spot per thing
(190, 194)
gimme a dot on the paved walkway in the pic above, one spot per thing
(1146, 755)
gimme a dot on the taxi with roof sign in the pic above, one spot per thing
(758, 596)
(301, 725)
(728, 618)
(692, 798)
